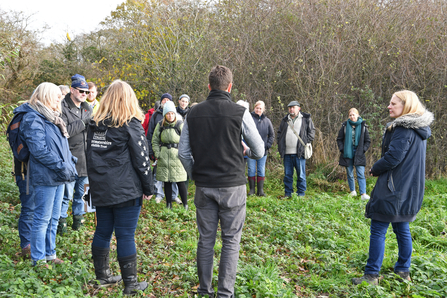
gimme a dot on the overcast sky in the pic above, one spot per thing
(63, 16)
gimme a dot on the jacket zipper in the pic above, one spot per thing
(392, 181)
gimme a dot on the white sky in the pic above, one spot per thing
(63, 16)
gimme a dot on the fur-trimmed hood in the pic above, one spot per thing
(419, 123)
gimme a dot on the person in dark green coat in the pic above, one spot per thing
(165, 142)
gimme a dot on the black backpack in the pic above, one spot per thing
(176, 127)
(18, 147)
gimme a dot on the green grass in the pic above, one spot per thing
(305, 247)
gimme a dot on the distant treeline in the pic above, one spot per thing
(330, 55)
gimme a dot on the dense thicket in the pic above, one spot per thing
(330, 55)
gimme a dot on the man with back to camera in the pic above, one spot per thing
(291, 149)
(212, 153)
(76, 113)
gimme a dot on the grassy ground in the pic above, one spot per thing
(305, 247)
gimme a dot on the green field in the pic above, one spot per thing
(305, 247)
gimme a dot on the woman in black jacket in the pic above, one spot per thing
(353, 141)
(399, 190)
(265, 129)
(120, 177)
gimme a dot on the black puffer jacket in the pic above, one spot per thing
(307, 134)
(72, 116)
(118, 163)
(363, 146)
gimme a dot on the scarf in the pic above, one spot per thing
(51, 116)
(348, 152)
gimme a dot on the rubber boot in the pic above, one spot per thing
(78, 221)
(260, 192)
(128, 267)
(100, 258)
(251, 184)
(62, 226)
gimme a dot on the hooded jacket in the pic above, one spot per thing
(169, 166)
(72, 116)
(118, 163)
(399, 190)
(51, 162)
(363, 146)
(307, 134)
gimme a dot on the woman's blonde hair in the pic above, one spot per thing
(354, 110)
(46, 93)
(411, 102)
(260, 102)
(119, 104)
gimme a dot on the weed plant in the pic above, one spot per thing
(302, 247)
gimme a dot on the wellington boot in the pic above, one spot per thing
(128, 267)
(100, 258)
(78, 221)
(251, 184)
(260, 191)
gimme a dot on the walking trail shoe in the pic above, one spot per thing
(403, 276)
(365, 197)
(55, 261)
(26, 252)
(353, 193)
(158, 199)
(372, 279)
(178, 201)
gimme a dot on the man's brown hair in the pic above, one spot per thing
(220, 78)
(91, 85)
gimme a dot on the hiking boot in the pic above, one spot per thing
(62, 226)
(158, 199)
(285, 198)
(365, 197)
(372, 279)
(26, 252)
(403, 276)
(128, 267)
(78, 221)
(104, 278)
(251, 185)
(178, 201)
(353, 193)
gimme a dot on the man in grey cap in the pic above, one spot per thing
(291, 149)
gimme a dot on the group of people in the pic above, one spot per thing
(69, 141)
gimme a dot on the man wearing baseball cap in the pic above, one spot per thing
(291, 149)
(76, 113)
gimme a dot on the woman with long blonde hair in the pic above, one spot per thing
(120, 178)
(51, 165)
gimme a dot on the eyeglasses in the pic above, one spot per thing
(83, 91)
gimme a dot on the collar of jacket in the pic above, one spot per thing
(219, 95)
(257, 116)
(84, 105)
(305, 115)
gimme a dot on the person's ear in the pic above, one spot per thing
(229, 87)
(209, 87)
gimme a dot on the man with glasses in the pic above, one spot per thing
(76, 113)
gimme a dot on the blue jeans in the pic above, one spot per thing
(377, 246)
(259, 164)
(227, 206)
(74, 190)
(47, 201)
(26, 212)
(122, 220)
(360, 177)
(159, 188)
(291, 162)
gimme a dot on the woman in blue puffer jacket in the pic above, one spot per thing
(399, 190)
(51, 165)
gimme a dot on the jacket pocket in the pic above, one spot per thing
(390, 183)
